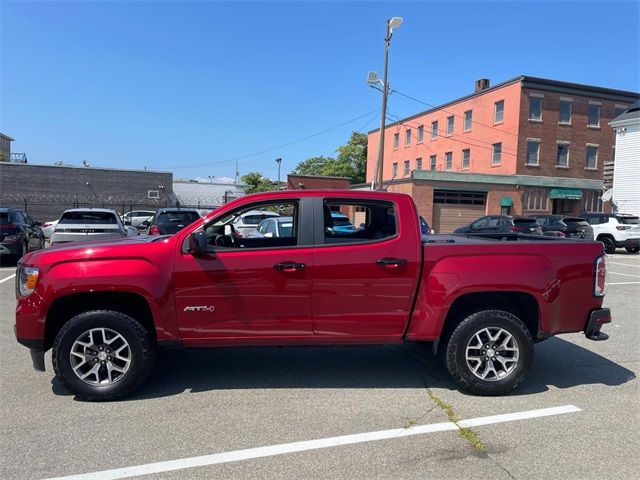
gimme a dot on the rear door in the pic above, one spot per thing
(364, 281)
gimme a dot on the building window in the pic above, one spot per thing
(562, 157)
(594, 116)
(592, 201)
(534, 199)
(466, 158)
(565, 111)
(496, 158)
(420, 133)
(407, 137)
(461, 197)
(406, 168)
(535, 109)
(395, 169)
(450, 124)
(396, 140)
(433, 162)
(533, 152)
(153, 193)
(434, 130)
(592, 156)
(499, 112)
(448, 160)
(468, 118)
(619, 110)
(419, 163)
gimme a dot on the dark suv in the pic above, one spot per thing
(19, 234)
(492, 224)
(562, 226)
(168, 221)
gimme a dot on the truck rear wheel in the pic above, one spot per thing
(489, 352)
(609, 244)
(102, 355)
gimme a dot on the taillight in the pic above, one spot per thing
(561, 234)
(600, 281)
(623, 227)
(154, 230)
(8, 226)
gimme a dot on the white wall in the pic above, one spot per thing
(626, 174)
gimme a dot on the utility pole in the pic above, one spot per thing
(278, 161)
(391, 24)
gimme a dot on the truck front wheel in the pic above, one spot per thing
(102, 355)
(489, 352)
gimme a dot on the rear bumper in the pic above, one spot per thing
(597, 318)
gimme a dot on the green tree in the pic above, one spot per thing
(351, 161)
(256, 182)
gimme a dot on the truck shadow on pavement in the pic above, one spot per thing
(558, 362)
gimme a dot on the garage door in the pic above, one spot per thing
(455, 208)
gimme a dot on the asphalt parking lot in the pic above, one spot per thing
(209, 413)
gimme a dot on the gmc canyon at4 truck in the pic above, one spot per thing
(106, 306)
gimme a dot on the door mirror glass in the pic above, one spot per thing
(198, 243)
(268, 235)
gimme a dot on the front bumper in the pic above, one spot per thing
(597, 318)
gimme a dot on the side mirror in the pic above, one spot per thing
(268, 235)
(198, 243)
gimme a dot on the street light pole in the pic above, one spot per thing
(391, 24)
(278, 161)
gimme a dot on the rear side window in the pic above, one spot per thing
(353, 222)
(629, 220)
(95, 218)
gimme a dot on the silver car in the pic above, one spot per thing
(136, 217)
(248, 222)
(81, 224)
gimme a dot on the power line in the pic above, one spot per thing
(277, 147)
(451, 113)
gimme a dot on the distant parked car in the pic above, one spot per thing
(47, 229)
(81, 224)
(168, 221)
(616, 230)
(501, 224)
(19, 234)
(136, 217)
(563, 226)
(274, 227)
(341, 223)
(248, 222)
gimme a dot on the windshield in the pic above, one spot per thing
(177, 217)
(101, 218)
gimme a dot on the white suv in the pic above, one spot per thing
(615, 230)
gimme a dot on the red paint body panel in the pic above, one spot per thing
(341, 296)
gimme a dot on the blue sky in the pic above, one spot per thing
(189, 86)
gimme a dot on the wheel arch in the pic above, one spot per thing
(65, 308)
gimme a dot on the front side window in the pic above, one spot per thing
(592, 156)
(434, 130)
(448, 160)
(533, 152)
(420, 133)
(358, 221)
(594, 116)
(278, 229)
(566, 106)
(468, 119)
(466, 158)
(535, 108)
(499, 112)
(496, 158)
(562, 156)
(450, 124)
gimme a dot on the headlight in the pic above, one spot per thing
(27, 280)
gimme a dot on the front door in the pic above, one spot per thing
(247, 287)
(364, 278)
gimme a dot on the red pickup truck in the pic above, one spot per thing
(106, 306)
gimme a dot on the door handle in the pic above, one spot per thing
(289, 266)
(391, 262)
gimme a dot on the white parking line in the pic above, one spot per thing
(624, 283)
(625, 264)
(624, 274)
(238, 455)
(8, 278)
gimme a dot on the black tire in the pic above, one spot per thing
(141, 351)
(632, 249)
(24, 248)
(462, 335)
(609, 244)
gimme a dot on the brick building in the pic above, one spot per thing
(523, 146)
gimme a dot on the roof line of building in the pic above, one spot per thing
(83, 167)
(528, 82)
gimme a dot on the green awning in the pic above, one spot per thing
(506, 202)
(565, 194)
